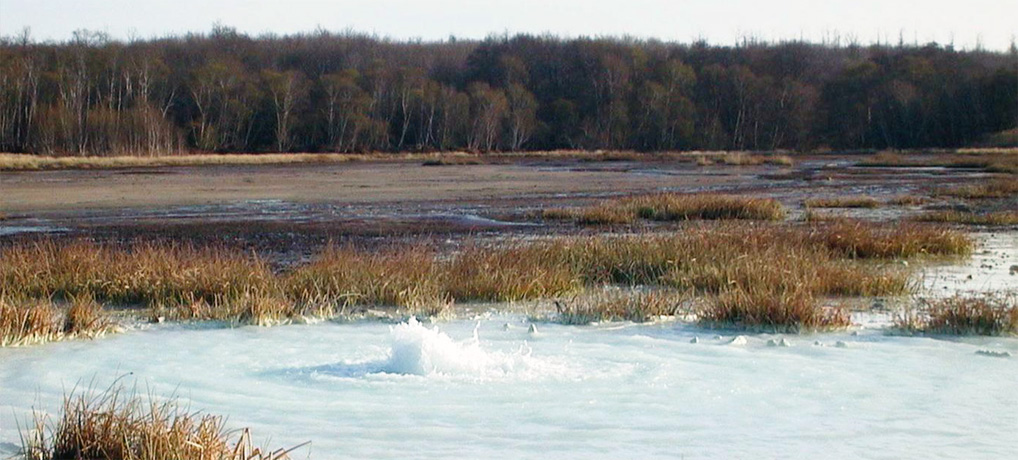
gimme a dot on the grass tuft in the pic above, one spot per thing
(994, 189)
(116, 426)
(981, 315)
(908, 200)
(771, 310)
(33, 321)
(618, 305)
(742, 159)
(861, 240)
(603, 214)
(956, 217)
(671, 207)
(843, 202)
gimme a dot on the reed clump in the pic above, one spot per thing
(114, 425)
(742, 159)
(511, 272)
(671, 207)
(602, 214)
(137, 274)
(989, 160)
(33, 321)
(968, 218)
(341, 277)
(862, 240)
(908, 200)
(1001, 187)
(771, 310)
(990, 315)
(618, 305)
(867, 202)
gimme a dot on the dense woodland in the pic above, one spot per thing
(229, 92)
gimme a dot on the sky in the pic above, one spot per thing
(991, 24)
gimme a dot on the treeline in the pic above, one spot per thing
(229, 92)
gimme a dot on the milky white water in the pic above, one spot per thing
(474, 389)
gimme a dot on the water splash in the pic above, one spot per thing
(419, 350)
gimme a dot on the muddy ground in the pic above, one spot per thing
(289, 211)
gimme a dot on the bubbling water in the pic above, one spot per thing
(419, 350)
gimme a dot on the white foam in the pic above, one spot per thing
(419, 350)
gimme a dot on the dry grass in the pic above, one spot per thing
(408, 278)
(115, 426)
(511, 272)
(618, 305)
(741, 260)
(1001, 187)
(671, 207)
(968, 218)
(843, 202)
(771, 310)
(146, 274)
(908, 200)
(741, 159)
(981, 315)
(989, 160)
(861, 240)
(34, 321)
(452, 161)
(20, 162)
(607, 213)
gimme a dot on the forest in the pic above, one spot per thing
(225, 91)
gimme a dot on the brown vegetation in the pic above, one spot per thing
(980, 315)
(843, 202)
(617, 305)
(1001, 187)
(741, 159)
(989, 160)
(115, 426)
(857, 239)
(908, 200)
(671, 207)
(771, 310)
(957, 217)
(31, 321)
(185, 282)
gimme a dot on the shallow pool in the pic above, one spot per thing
(490, 388)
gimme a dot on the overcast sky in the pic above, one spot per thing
(991, 23)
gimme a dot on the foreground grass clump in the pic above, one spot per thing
(114, 426)
(40, 320)
(956, 217)
(981, 315)
(843, 202)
